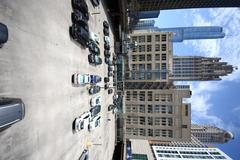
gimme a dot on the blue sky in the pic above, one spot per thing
(213, 102)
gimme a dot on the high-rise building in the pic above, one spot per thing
(192, 33)
(210, 134)
(197, 68)
(156, 114)
(147, 5)
(143, 25)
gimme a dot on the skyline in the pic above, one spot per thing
(206, 95)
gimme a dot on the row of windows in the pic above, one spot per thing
(158, 121)
(149, 38)
(150, 48)
(146, 75)
(148, 57)
(149, 132)
(148, 96)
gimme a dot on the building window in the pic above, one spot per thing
(170, 133)
(141, 39)
(134, 67)
(150, 121)
(150, 132)
(157, 66)
(142, 96)
(128, 97)
(157, 121)
(134, 96)
(142, 108)
(149, 57)
(164, 75)
(157, 47)
(157, 132)
(141, 48)
(134, 49)
(149, 95)
(157, 38)
(142, 132)
(149, 38)
(150, 109)
(157, 109)
(186, 110)
(164, 57)
(134, 39)
(166, 97)
(164, 37)
(139, 156)
(164, 47)
(142, 120)
(164, 66)
(141, 57)
(134, 58)
(157, 57)
(156, 97)
(149, 48)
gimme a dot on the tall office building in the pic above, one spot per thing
(147, 5)
(192, 33)
(210, 134)
(197, 68)
(155, 114)
(183, 33)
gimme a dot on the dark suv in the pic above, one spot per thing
(12, 110)
(82, 6)
(78, 17)
(3, 33)
(79, 34)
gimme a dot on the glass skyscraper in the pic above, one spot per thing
(190, 33)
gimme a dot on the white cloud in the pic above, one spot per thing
(236, 109)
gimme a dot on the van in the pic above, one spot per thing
(12, 110)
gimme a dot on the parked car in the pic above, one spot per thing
(94, 37)
(106, 86)
(79, 18)
(80, 79)
(110, 68)
(95, 101)
(111, 107)
(94, 123)
(94, 89)
(80, 34)
(3, 33)
(110, 74)
(105, 24)
(107, 60)
(107, 53)
(94, 59)
(110, 91)
(84, 155)
(93, 48)
(82, 122)
(106, 46)
(106, 39)
(82, 6)
(95, 111)
(106, 79)
(12, 110)
(95, 79)
(106, 31)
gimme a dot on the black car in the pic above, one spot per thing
(93, 48)
(94, 59)
(78, 17)
(107, 53)
(107, 60)
(105, 24)
(106, 31)
(95, 111)
(82, 6)
(106, 86)
(110, 91)
(106, 46)
(80, 34)
(94, 89)
(95, 3)
(106, 79)
(111, 107)
(3, 33)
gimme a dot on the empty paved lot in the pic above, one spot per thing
(36, 65)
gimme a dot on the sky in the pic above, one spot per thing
(213, 102)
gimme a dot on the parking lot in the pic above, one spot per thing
(36, 65)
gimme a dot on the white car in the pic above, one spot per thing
(95, 101)
(107, 39)
(94, 123)
(82, 122)
(94, 37)
(81, 79)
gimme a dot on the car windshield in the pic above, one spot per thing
(86, 78)
(80, 78)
